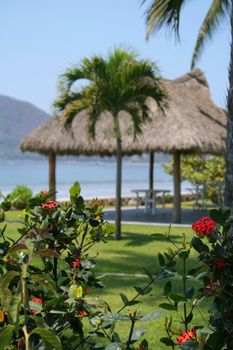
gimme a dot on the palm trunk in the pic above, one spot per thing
(177, 192)
(118, 175)
(52, 174)
(118, 189)
(229, 143)
(151, 172)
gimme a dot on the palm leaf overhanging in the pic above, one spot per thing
(166, 14)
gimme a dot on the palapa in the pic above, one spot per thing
(192, 123)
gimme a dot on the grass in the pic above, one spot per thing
(136, 250)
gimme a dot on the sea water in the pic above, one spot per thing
(97, 178)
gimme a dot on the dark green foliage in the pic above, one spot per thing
(20, 197)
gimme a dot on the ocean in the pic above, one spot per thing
(97, 178)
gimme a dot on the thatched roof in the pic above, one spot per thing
(192, 123)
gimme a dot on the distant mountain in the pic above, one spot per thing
(17, 119)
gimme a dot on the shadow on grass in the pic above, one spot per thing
(135, 261)
(139, 239)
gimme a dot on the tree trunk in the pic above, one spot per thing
(52, 174)
(118, 189)
(177, 194)
(229, 143)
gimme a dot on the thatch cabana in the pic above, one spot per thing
(192, 124)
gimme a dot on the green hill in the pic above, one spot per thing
(17, 119)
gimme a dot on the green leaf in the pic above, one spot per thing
(143, 290)
(115, 317)
(167, 288)
(44, 281)
(75, 191)
(199, 246)
(6, 336)
(161, 260)
(114, 346)
(189, 345)
(13, 308)
(215, 341)
(137, 334)
(167, 306)
(6, 279)
(124, 298)
(151, 316)
(144, 345)
(79, 202)
(48, 336)
(189, 318)
(184, 253)
(190, 292)
(220, 215)
(177, 298)
(6, 206)
(167, 341)
(133, 302)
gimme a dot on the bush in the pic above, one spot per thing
(46, 277)
(20, 197)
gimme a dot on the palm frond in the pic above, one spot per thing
(164, 14)
(135, 112)
(117, 83)
(64, 99)
(218, 11)
(139, 93)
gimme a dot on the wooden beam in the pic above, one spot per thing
(177, 188)
(52, 174)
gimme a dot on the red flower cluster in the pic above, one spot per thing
(37, 301)
(185, 336)
(49, 205)
(204, 226)
(77, 262)
(219, 263)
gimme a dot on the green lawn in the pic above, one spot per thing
(135, 251)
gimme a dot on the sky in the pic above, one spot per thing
(40, 39)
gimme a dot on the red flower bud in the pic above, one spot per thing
(37, 301)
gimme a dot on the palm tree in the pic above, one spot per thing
(166, 14)
(117, 83)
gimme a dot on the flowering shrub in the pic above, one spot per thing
(211, 277)
(47, 275)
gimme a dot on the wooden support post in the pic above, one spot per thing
(151, 172)
(177, 188)
(52, 174)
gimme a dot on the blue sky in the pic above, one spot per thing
(40, 39)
